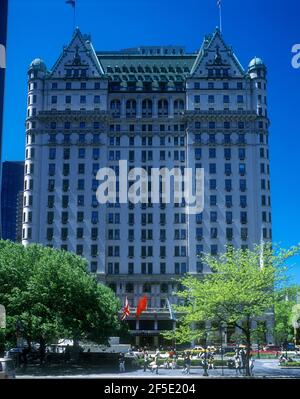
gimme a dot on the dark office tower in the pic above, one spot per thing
(12, 191)
(3, 36)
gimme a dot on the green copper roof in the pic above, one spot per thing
(140, 65)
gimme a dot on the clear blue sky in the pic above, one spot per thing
(264, 28)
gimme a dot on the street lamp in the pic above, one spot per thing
(296, 326)
(205, 365)
(222, 329)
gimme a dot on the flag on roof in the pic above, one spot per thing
(71, 2)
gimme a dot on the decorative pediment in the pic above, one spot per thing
(78, 55)
(215, 54)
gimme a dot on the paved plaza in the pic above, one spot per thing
(263, 369)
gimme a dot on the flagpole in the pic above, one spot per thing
(220, 12)
(74, 17)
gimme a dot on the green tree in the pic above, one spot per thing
(283, 308)
(295, 321)
(239, 291)
(50, 294)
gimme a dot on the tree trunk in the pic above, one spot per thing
(248, 352)
(42, 350)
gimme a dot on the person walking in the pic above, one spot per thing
(156, 360)
(237, 363)
(174, 362)
(251, 365)
(146, 361)
(211, 361)
(188, 363)
(122, 363)
(184, 371)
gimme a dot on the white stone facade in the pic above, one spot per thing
(154, 107)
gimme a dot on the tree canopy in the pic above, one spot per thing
(48, 294)
(241, 289)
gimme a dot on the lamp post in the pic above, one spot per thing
(296, 325)
(222, 354)
(258, 347)
(205, 373)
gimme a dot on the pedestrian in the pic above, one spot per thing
(174, 362)
(189, 362)
(67, 354)
(146, 361)
(156, 360)
(211, 361)
(122, 363)
(184, 371)
(237, 363)
(251, 365)
(243, 358)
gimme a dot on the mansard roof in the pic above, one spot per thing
(223, 54)
(161, 64)
(153, 64)
(79, 51)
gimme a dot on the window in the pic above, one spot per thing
(131, 268)
(229, 217)
(212, 153)
(227, 153)
(66, 153)
(228, 201)
(242, 169)
(228, 185)
(212, 168)
(228, 170)
(51, 169)
(214, 250)
(229, 233)
(198, 154)
(213, 233)
(213, 200)
(81, 153)
(244, 218)
(163, 107)
(242, 153)
(199, 233)
(212, 184)
(96, 153)
(243, 185)
(52, 153)
(213, 217)
(243, 201)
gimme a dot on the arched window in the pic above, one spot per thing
(129, 288)
(130, 108)
(163, 108)
(147, 288)
(178, 107)
(115, 107)
(164, 288)
(147, 107)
